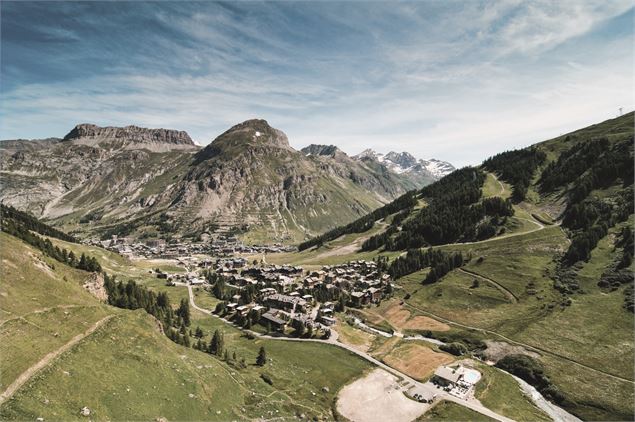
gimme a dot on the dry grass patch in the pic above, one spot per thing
(359, 339)
(401, 318)
(416, 360)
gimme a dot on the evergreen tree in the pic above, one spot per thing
(262, 357)
(199, 332)
(184, 311)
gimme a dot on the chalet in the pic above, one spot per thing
(360, 298)
(375, 294)
(273, 320)
(286, 302)
(326, 320)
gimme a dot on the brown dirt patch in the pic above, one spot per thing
(416, 360)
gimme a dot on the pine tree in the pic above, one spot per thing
(262, 357)
(213, 343)
(184, 311)
(199, 332)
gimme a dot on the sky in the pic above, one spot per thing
(453, 80)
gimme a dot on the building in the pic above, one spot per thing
(289, 303)
(271, 319)
(446, 376)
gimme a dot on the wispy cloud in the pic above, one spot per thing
(454, 80)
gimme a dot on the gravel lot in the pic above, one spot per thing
(377, 397)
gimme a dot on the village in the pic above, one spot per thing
(223, 245)
(288, 301)
(283, 299)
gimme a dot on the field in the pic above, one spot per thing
(393, 316)
(501, 393)
(449, 411)
(416, 359)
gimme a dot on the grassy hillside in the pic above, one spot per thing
(127, 369)
(527, 286)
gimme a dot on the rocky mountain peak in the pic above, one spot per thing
(90, 133)
(255, 131)
(406, 163)
(403, 159)
(327, 150)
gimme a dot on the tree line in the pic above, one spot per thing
(440, 263)
(581, 169)
(516, 167)
(454, 214)
(22, 229)
(31, 223)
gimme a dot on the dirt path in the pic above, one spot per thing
(518, 343)
(511, 296)
(29, 373)
(499, 182)
(43, 310)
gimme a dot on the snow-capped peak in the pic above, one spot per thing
(404, 162)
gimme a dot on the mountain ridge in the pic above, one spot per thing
(132, 181)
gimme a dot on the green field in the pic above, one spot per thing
(501, 393)
(448, 411)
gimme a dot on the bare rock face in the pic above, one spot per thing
(131, 136)
(95, 286)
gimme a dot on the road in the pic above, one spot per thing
(410, 382)
(29, 373)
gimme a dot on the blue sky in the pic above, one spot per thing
(453, 80)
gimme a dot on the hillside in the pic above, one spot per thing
(131, 181)
(63, 350)
(533, 249)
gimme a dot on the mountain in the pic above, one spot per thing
(157, 182)
(420, 171)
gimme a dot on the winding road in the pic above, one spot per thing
(409, 382)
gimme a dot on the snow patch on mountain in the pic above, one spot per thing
(403, 162)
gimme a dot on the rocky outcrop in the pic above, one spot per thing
(130, 136)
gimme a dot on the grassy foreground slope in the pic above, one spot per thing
(128, 370)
